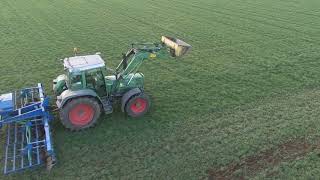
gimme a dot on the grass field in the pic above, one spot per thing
(250, 85)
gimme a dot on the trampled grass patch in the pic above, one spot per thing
(250, 83)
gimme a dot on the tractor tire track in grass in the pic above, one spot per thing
(257, 18)
(252, 165)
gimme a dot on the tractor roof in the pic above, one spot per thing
(82, 63)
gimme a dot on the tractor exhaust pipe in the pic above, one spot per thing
(177, 47)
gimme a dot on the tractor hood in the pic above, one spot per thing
(59, 84)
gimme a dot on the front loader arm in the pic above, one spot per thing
(133, 59)
(139, 52)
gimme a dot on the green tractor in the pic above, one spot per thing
(89, 88)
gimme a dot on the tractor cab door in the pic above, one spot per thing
(95, 81)
(76, 81)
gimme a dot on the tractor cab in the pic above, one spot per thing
(82, 72)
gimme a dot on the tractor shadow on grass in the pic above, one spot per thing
(251, 165)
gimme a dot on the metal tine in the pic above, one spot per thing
(22, 143)
(14, 146)
(15, 100)
(21, 99)
(37, 139)
(37, 93)
(10, 157)
(32, 96)
(37, 135)
(26, 98)
(7, 146)
(8, 133)
(29, 159)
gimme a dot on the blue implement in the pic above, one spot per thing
(25, 115)
(6, 104)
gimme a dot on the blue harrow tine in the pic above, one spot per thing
(37, 139)
(25, 99)
(32, 94)
(15, 100)
(21, 101)
(7, 146)
(14, 146)
(48, 144)
(29, 158)
(22, 142)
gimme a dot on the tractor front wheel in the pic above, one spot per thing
(138, 105)
(80, 113)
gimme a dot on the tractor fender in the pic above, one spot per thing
(128, 95)
(68, 94)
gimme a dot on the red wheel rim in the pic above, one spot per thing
(82, 114)
(138, 106)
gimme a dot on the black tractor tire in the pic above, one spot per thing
(138, 105)
(80, 113)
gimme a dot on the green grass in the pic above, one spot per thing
(251, 82)
(306, 168)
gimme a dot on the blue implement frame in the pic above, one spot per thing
(28, 143)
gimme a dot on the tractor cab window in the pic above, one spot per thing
(95, 80)
(76, 81)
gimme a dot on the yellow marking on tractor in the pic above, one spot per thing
(152, 55)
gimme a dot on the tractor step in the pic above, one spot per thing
(107, 106)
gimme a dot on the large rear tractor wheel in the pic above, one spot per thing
(138, 105)
(80, 113)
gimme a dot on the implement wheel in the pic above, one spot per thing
(138, 105)
(80, 113)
